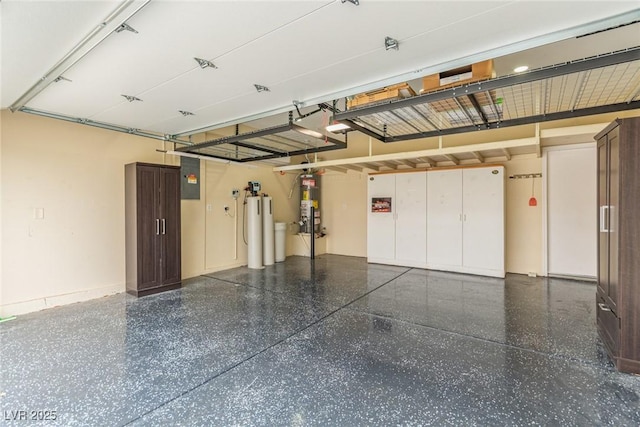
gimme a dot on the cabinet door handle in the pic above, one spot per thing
(460, 217)
(164, 226)
(464, 217)
(157, 226)
(603, 219)
(603, 306)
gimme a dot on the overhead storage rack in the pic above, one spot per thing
(265, 144)
(600, 84)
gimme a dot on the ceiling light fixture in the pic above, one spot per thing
(203, 63)
(521, 69)
(356, 2)
(337, 127)
(131, 98)
(125, 27)
(261, 88)
(391, 43)
(186, 113)
(308, 132)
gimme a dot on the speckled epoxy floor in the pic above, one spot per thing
(336, 342)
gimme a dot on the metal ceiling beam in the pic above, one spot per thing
(259, 148)
(464, 110)
(103, 125)
(474, 101)
(235, 138)
(613, 58)
(364, 130)
(424, 116)
(522, 121)
(292, 153)
(404, 120)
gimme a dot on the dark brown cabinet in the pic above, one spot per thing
(618, 293)
(152, 228)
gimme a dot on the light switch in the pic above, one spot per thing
(209, 207)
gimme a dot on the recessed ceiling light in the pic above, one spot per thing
(521, 69)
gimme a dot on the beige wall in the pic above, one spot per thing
(344, 211)
(75, 174)
(523, 246)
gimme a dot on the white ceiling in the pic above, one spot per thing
(308, 51)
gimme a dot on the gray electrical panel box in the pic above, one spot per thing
(190, 178)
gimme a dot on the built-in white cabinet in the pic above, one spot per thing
(451, 219)
(465, 220)
(397, 223)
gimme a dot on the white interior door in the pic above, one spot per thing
(411, 218)
(444, 219)
(571, 211)
(483, 219)
(381, 224)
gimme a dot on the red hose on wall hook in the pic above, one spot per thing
(532, 200)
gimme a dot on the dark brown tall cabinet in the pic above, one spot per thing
(152, 211)
(618, 294)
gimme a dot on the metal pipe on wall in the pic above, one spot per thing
(313, 235)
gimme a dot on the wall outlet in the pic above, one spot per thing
(235, 193)
(226, 208)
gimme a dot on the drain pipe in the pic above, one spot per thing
(313, 233)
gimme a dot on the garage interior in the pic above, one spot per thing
(397, 315)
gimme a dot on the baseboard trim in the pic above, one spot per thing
(215, 268)
(24, 307)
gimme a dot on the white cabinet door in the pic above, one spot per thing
(571, 190)
(411, 219)
(444, 219)
(483, 220)
(381, 224)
